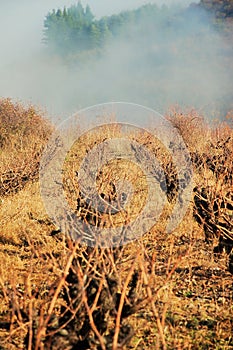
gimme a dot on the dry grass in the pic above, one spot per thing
(162, 291)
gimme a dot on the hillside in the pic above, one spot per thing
(221, 9)
(75, 29)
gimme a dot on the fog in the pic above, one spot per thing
(154, 70)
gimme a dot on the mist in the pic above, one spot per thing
(154, 69)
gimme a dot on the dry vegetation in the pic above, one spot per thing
(23, 135)
(171, 291)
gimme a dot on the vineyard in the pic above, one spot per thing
(161, 291)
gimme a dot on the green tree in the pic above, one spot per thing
(89, 17)
(105, 33)
(74, 29)
(95, 35)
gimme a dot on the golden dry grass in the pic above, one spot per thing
(182, 297)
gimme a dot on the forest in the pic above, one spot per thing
(75, 29)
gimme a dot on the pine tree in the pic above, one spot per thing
(89, 17)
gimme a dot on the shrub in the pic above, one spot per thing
(23, 136)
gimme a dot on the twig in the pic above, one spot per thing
(42, 329)
(90, 310)
(120, 308)
(154, 310)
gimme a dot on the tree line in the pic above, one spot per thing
(75, 29)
